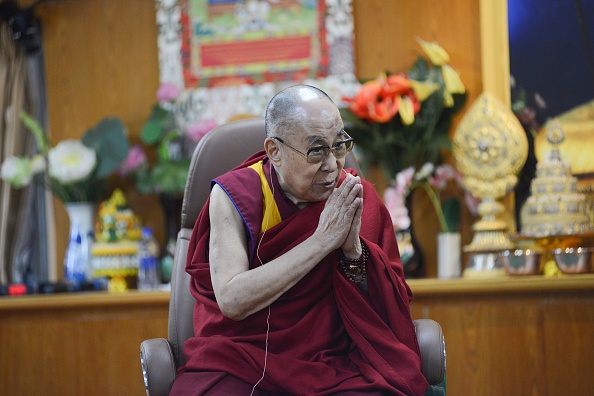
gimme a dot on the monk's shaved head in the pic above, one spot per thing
(288, 109)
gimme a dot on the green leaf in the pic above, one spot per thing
(40, 137)
(170, 177)
(420, 70)
(151, 132)
(158, 123)
(451, 213)
(109, 140)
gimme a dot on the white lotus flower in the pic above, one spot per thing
(71, 161)
(16, 171)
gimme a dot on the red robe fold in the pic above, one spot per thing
(326, 334)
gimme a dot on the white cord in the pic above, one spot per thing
(265, 353)
(261, 263)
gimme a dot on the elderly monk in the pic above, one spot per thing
(295, 269)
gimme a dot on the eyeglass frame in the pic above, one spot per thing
(327, 149)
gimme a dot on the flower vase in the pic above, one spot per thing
(448, 255)
(77, 261)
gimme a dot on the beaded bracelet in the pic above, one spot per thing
(355, 269)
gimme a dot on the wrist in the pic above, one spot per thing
(354, 252)
(354, 270)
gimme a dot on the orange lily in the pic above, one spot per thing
(368, 94)
(384, 110)
(379, 100)
(396, 84)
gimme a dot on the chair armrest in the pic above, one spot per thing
(432, 346)
(158, 366)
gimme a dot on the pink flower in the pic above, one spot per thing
(136, 157)
(404, 178)
(197, 130)
(395, 203)
(400, 219)
(437, 183)
(443, 174)
(167, 92)
(446, 172)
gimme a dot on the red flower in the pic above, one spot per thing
(380, 100)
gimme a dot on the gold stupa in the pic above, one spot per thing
(555, 206)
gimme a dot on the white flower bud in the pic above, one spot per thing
(16, 171)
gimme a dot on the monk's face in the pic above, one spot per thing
(301, 180)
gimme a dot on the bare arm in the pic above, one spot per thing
(240, 291)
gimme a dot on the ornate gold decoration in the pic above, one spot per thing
(490, 148)
(555, 207)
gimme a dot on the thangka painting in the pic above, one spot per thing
(229, 57)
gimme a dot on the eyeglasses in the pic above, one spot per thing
(318, 154)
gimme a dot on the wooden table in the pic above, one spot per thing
(513, 335)
(509, 336)
(79, 343)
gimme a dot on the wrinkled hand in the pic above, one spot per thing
(340, 221)
(352, 244)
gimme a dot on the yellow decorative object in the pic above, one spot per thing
(578, 127)
(551, 269)
(114, 254)
(117, 284)
(490, 147)
(116, 221)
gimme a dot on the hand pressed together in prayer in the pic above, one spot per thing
(340, 221)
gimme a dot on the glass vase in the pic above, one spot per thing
(77, 260)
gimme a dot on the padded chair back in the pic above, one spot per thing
(222, 149)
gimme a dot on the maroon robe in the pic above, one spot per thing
(326, 334)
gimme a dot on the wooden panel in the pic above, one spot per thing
(515, 339)
(514, 336)
(77, 344)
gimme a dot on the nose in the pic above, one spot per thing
(330, 163)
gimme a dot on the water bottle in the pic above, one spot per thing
(148, 260)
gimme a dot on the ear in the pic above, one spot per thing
(272, 149)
